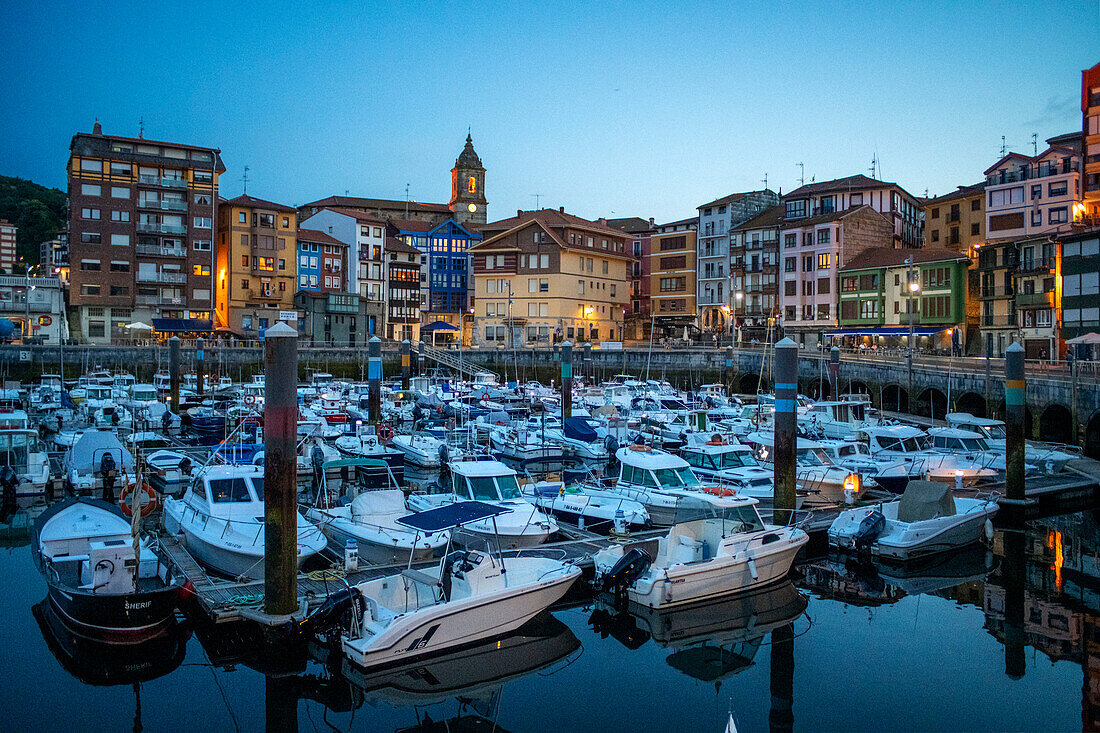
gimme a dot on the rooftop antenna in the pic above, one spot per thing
(1004, 147)
(1034, 143)
(244, 179)
(801, 174)
(874, 164)
(764, 180)
(141, 128)
(537, 197)
(406, 201)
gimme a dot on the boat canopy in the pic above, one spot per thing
(965, 418)
(578, 428)
(925, 500)
(88, 451)
(452, 515)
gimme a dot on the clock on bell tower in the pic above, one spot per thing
(468, 186)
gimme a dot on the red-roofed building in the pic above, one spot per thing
(322, 262)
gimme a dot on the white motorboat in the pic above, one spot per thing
(825, 482)
(733, 464)
(596, 513)
(473, 596)
(834, 419)
(168, 471)
(523, 444)
(966, 445)
(420, 449)
(98, 456)
(1049, 458)
(578, 438)
(703, 558)
(925, 520)
(371, 519)
(492, 482)
(24, 454)
(221, 517)
(912, 446)
(891, 474)
(113, 417)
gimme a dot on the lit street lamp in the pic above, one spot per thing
(740, 298)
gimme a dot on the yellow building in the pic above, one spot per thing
(956, 220)
(257, 266)
(672, 278)
(544, 276)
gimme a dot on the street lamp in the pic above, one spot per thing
(739, 297)
(914, 288)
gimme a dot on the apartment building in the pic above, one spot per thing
(322, 262)
(637, 322)
(141, 217)
(1034, 194)
(544, 276)
(403, 263)
(812, 250)
(36, 306)
(8, 256)
(956, 220)
(1090, 129)
(1080, 286)
(53, 255)
(900, 208)
(257, 264)
(672, 279)
(880, 287)
(754, 249)
(717, 220)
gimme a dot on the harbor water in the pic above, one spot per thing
(1004, 637)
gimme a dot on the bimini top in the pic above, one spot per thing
(452, 515)
(481, 468)
(642, 456)
(965, 418)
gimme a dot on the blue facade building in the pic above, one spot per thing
(446, 279)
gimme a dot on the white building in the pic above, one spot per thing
(1027, 195)
(44, 309)
(365, 236)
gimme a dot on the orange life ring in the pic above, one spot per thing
(249, 399)
(716, 442)
(384, 431)
(147, 506)
(720, 490)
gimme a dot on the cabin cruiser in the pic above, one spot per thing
(911, 445)
(24, 463)
(365, 444)
(492, 482)
(595, 513)
(578, 438)
(524, 444)
(1049, 458)
(168, 471)
(733, 464)
(421, 449)
(967, 445)
(470, 597)
(140, 397)
(925, 520)
(96, 396)
(825, 482)
(102, 582)
(834, 419)
(890, 473)
(332, 409)
(221, 518)
(729, 552)
(370, 518)
(113, 417)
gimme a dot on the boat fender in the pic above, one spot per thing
(752, 566)
(989, 530)
(628, 568)
(444, 453)
(869, 529)
(147, 505)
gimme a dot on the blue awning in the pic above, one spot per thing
(887, 331)
(438, 326)
(451, 516)
(183, 325)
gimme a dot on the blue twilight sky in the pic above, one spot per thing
(616, 109)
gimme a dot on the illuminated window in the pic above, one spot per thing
(471, 185)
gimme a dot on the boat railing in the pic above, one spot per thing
(797, 518)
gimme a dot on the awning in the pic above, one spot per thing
(182, 325)
(438, 326)
(887, 331)
(1085, 338)
(450, 516)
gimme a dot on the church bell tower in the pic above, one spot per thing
(468, 186)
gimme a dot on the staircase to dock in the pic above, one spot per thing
(452, 361)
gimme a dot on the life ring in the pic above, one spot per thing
(249, 399)
(716, 442)
(384, 431)
(720, 491)
(640, 447)
(147, 506)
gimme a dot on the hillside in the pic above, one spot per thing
(39, 212)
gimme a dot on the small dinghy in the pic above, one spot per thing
(927, 519)
(101, 582)
(469, 597)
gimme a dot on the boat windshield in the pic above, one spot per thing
(13, 450)
(225, 490)
(975, 444)
(852, 449)
(676, 477)
(509, 489)
(996, 432)
(746, 518)
(737, 459)
(258, 487)
(493, 488)
(813, 457)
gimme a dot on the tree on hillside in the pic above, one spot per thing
(37, 211)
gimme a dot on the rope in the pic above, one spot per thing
(333, 571)
(245, 599)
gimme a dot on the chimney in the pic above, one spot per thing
(97, 129)
(601, 221)
(651, 222)
(561, 209)
(519, 212)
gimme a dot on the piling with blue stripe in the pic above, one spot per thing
(406, 363)
(374, 379)
(174, 375)
(1015, 393)
(421, 355)
(566, 380)
(786, 427)
(729, 370)
(200, 363)
(834, 371)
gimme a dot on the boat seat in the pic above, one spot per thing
(686, 549)
(418, 576)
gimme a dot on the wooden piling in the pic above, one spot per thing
(566, 380)
(786, 427)
(280, 469)
(374, 379)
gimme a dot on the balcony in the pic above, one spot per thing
(161, 277)
(992, 321)
(953, 217)
(158, 250)
(163, 205)
(998, 292)
(1032, 172)
(1025, 300)
(1038, 264)
(160, 300)
(165, 182)
(155, 228)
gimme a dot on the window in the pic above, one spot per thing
(790, 240)
(544, 285)
(849, 284)
(580, 287)
(89, 213)
(824, 285)
(796, 209)
(823, 259)
(91, 237)
(89, 265)
(1058, 215)
(377, 231)
(975, 229)
(96, 329)
(868, 309)
(935, 235)
(92, 166)
(789, 264)
(120, 192)
(282, 264)
(202, 222)
(88, 189)
(1007, 196)
(1037, 192)
(976, 205)
(1058, 189)
(612, 290)
(122, 240)
(201, 270)
(242, 217)
(120, 216)
(824, 236)
(605, 267)
(120, 290)
(808, 263)
(117, 266)
(857, 199)
(286, 222)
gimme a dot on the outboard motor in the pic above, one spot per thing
(444, 454)
(9, 480)
(611, 444)
(317, 460)
(870, 527)
(629, 568)
(107, 469)
(338, 609)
